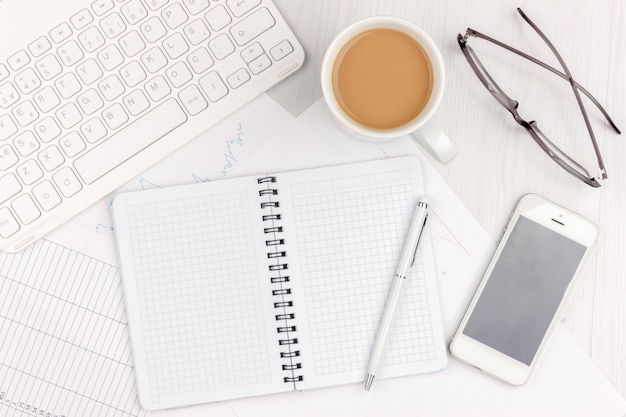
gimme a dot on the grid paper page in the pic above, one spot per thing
(199, 295)
(350, 233)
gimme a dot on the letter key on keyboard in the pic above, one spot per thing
(90, 102)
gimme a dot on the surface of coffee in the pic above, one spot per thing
(382, 78)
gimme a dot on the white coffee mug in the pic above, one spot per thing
(429, 137)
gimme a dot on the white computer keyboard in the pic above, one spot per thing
(96, 99)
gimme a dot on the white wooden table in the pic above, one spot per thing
(499, 162)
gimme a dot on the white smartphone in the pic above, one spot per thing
(524, 289)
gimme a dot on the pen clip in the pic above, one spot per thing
(417, 244)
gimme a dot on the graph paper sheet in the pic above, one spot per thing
(264, 284)
(199, 313)
(348, 229)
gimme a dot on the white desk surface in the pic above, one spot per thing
(499, 162)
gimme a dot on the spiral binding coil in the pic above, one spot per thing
(281, 291)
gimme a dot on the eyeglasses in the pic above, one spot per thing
(559, 156)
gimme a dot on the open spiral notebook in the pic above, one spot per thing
(271, 283)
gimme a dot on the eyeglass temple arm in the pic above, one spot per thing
(572, 83)
(477, 34)
(549, 147)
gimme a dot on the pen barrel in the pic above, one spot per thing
(412, 239)
(393, 299)
(385, 324)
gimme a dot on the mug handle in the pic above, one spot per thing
(432, 139)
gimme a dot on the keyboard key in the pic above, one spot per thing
(252, 26)
(260, 64)
(135, 137)
(18, 60)
(93, 130)
(8, 157)
(81, 19)
(100, 7)
(158, 88)
(61, 32)
(8, 225)
(4, 72)
(90, 101)
(7, 127)
(9, 186)
(72, 144)
(132, 43)
(251, 52)
(113, 25)
(110, 57)
(89, 71)
(27, 81)
(192, 99)
(238, 78)
(91, 39)
(133, 74)
(111, 87)
(134, 12)
(69, 115)
(39, 46)
(196, 32)
(70, 53)
(26, 209)
(175, 46)
(49, 67)
(51, 158)
(156, 4)
(47, 129)
(25, 113)
(8, 95)
(281, 50)
(67, 182)
(196, 6)
(153, 29)
(26, 143)
(174, 15)
(218, 18)
(67, 85)
(46, 195)
(241, 7)
(114, 116)
(154, 59)
(213, 86)
(46, 99)
(178, 74)
(221, 46)
(200, 60)
(136, 102)
(29, 172)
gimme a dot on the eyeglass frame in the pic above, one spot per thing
(560, 157)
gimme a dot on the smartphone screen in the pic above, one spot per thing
(524, 290)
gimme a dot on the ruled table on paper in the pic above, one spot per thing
(64, 346)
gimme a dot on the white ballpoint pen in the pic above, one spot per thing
(406, 261)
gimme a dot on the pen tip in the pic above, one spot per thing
(368, 382)
(423, 201)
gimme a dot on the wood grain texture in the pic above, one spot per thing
(498, 160)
